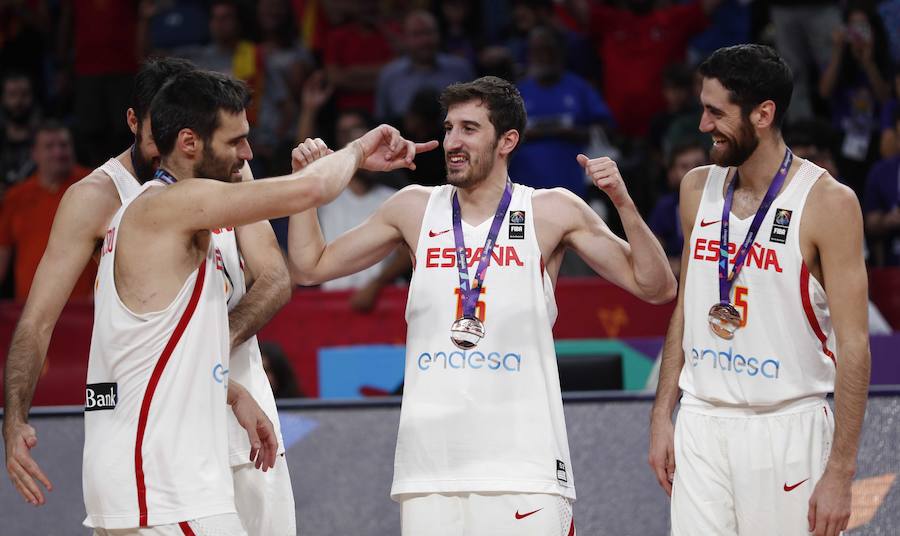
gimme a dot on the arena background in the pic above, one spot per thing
(341, 458)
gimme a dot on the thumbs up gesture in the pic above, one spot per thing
(604, 173)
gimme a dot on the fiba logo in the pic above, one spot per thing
(477, 360)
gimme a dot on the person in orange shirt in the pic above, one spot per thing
(28, 209)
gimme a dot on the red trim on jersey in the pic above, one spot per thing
(186, 529)
(542, 267)
(810, 315)
(151, 388)
(572, 528)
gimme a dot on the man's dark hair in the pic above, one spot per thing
(51, 125)
(678, 75)
(505, 107)
(684, 146)
(752, 74)
(193, 100)
(153, 74)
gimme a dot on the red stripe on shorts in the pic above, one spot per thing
(810, 315)
(186, 529)
(572, 528)
(151, 388)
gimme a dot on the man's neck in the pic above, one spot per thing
(757, 172)
(424, 65)
(178, 169)
(125, 159)
(481, 200)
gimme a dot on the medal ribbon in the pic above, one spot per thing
(725, 280)
(471, 290)
(165, 176)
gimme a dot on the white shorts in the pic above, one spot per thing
(221, 525)
(486, 514)
(740, 473)
(265, 500)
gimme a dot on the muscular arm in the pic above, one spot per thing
(73, 239)
(313, 261)
(835, 227)
(271, 288)
(839, 236)
(266, 275)
(638, 265)
(662, 453)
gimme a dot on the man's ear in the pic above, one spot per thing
(508, 141)
(189, 143)
(132, 120)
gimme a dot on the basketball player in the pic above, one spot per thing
(148, 279)
(482, 446)
(771, 318)
(264, 499)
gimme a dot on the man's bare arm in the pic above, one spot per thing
(661, 456)
(312, 261)
(837, 229)
(196, 204)
(73, 239)
(271, 288)
(638, 265)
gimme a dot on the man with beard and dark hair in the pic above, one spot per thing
(161, 330)
(78, 229)
(482, 446)
(81, 223)
(19, 119)
(773, 294)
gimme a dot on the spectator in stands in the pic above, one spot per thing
(855, 82)
(24, 28)
(813, 140)
(665, 221)
(285, 64)
(279, 371)
(19, 117)
(803, 34)
(682, 106)
(357, 51)
(357, 202)
(460, 27)
(634, 45)
(424, 121)
(561, 108)
(166, 25)
(881, 206)
(102, 38)
(28, 209)
(422, 67)
(889, 135)
(353, 206)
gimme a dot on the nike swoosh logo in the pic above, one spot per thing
(790, 488)
(433, 234)
(704, 223)
(523, 516)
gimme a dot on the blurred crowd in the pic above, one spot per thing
(611, 78)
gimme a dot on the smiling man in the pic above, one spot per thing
(771, 317)
(482, 447)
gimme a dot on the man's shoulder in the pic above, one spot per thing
(831, 203)
(95, 190)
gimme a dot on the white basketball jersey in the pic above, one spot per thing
(155, 448)
(489, 419)
(126, 184)
(785, 349)
(246, 360)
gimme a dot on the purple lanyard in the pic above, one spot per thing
(165, 176)
(725, 280)
(470, 292)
